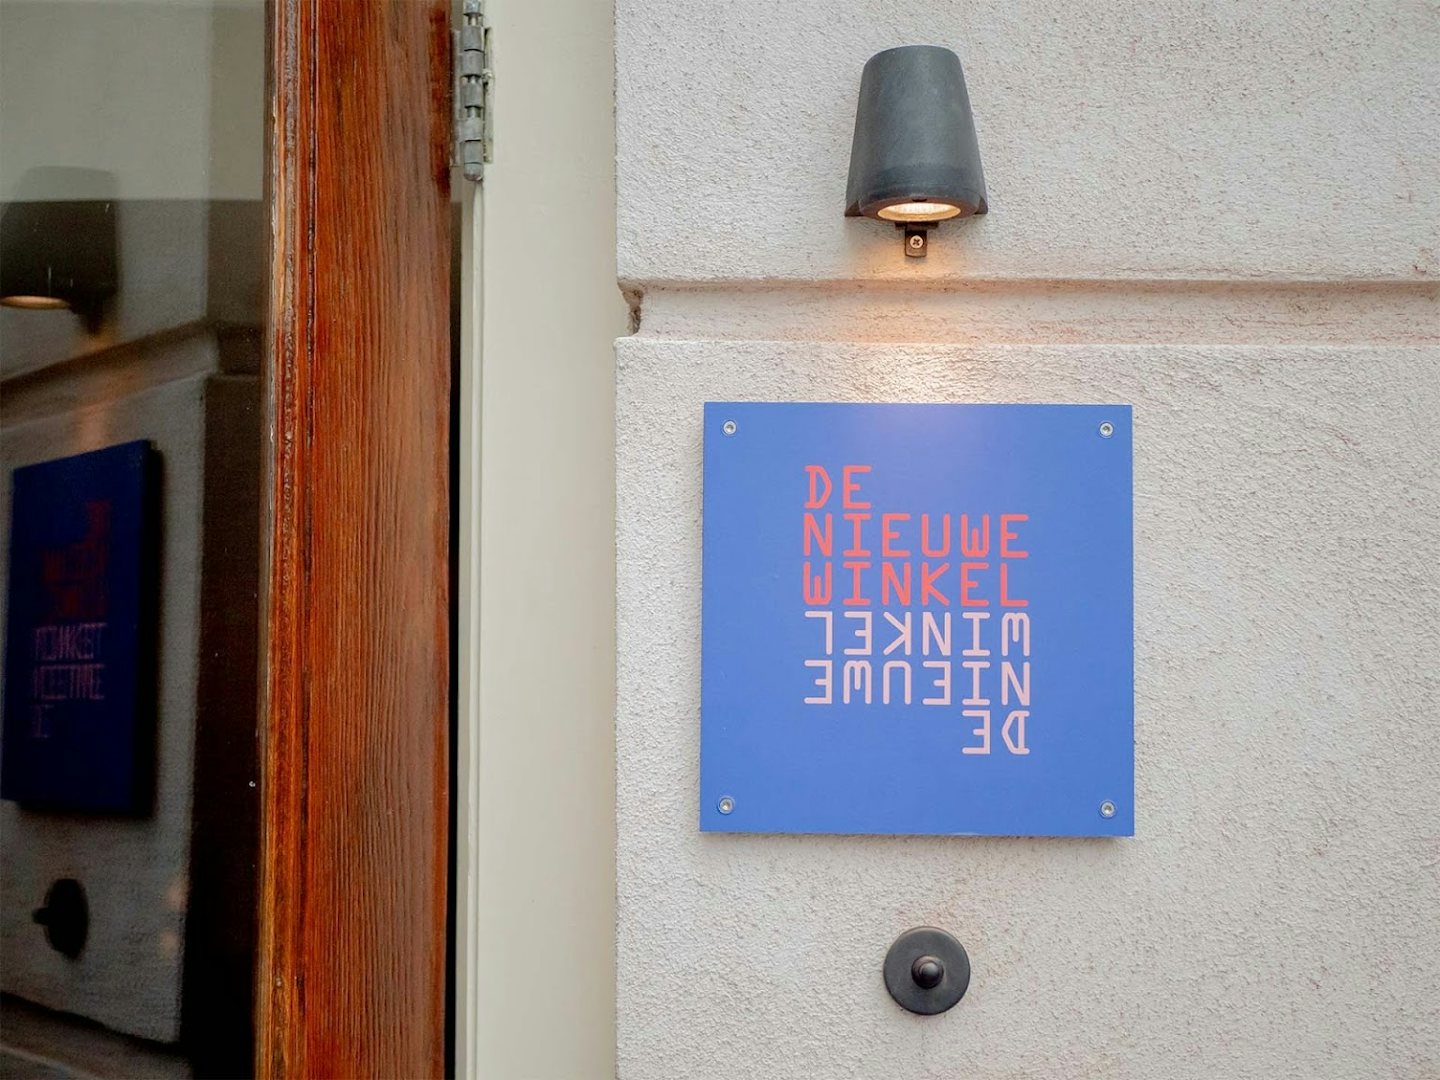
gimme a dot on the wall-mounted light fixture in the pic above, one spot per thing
(56, 251)
(915, 159)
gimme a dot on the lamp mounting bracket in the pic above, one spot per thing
(917, 237)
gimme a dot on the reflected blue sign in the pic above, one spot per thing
(79, 723)
(917, 619)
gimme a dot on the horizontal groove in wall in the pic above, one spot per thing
(1048, 312)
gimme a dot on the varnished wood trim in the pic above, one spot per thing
(352, 936)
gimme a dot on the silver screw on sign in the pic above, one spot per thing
(1107, 809)
(729, 427)
(726, 805)
(1107, 429)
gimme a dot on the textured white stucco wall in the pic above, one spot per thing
(1275, 913)
(1224, 213)
(1181, 138)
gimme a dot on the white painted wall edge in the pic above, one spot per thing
(467, 746)
(537, 681)
(1041, 312)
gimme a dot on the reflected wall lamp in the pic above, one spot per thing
(914, 159)
(58, 252)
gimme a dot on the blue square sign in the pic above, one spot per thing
(918, 619)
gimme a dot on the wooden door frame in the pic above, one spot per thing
(355, 644)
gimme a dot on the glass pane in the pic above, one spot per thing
(133, 268)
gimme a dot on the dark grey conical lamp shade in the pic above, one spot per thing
(915, 157)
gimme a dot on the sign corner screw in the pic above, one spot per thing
(1107, 809)
(725, 805)
(1107, 429)
(729, 427)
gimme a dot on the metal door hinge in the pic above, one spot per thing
(474, 106)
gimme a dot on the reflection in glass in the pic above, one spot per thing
(133, 256)
(59, 254)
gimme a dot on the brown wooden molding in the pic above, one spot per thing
(352, 935)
